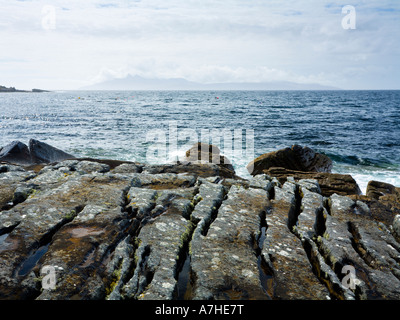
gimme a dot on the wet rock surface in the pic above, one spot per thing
(123, 231)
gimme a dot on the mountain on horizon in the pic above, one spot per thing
(140, 83)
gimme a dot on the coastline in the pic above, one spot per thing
(4, 89)
(120, 230)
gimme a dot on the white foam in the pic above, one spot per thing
(363, 175)
(363, 179)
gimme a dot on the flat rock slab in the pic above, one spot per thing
(118, 230)
(224, 261)
(285, 255)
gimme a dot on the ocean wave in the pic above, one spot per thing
(355, 160)
(365, 174)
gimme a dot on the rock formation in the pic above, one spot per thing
(208, 153)
(330, 183)
(294, 158)
(37, 153)
(16, 152)
(120, 231)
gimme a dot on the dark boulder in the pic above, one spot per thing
(16, 152)
(377, 189)
(44, 153)
(294, 158)
(38, 152)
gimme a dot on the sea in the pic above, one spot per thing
(358, 130)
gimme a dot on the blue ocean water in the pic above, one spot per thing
(359, 130)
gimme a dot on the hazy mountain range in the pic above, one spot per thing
(139, 83)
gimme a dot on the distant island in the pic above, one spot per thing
(12, 89)
(140, 83)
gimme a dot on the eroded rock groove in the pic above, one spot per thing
(123, 231)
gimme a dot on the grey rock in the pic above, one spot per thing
(396, 226)
(89, 167)
(119, 267)
(284, 254)
(261, 181)
(312, 205)
(207, 153)
(223, 263)
(116, 231)
(376, 189)
(354, 239)
(310, 184)
(128, 168)
(11, 180)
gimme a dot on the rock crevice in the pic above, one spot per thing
(122, 231)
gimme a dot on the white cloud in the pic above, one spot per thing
(208, 41)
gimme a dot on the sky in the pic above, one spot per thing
(71, 44)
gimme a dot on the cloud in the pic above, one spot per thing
(230, 40)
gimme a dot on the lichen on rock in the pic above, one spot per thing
(115, 230)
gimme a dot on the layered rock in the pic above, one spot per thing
(208, 153)
(135, 232)
(330, 183)
(119, 230)
(294, 158)
(386, 194)
(383, 200)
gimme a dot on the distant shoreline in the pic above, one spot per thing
(12, 89)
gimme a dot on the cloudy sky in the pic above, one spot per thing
(70, 44)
